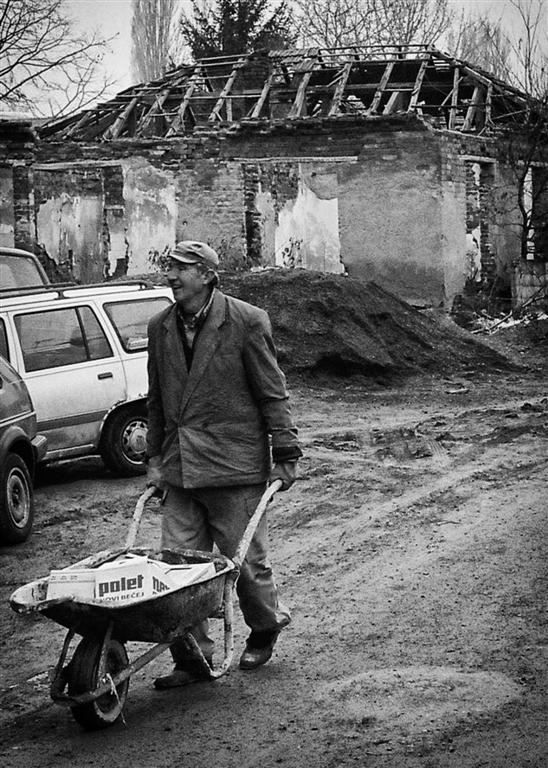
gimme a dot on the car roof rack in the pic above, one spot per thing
(61, 288)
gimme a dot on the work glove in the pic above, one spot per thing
(286, 471)
(154, 474)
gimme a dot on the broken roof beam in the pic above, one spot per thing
(475, 101)
(339, 89)
(380, 90)
(489, 106)
(59, 125)
(179, 119)
(154, 111)
(472, 72)
(101, 113)
(86, 117)
(216, 111)
(395, 103)
(300, 99)
(92, 123)
(417, 87)
(454, 99)
(96, 127)
(118, 125)
(157, 106)
(257, 109)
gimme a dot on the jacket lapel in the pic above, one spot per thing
(173, 349)
(207, 342)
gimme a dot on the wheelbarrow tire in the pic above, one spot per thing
(85, 675)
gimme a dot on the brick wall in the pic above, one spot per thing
(23, 236)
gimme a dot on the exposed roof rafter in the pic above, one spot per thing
(216, 111)
(342, 80)
(307, 84)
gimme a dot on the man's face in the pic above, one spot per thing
(186, 281)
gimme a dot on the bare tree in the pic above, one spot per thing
(530, 167)
(336, 23)
(482, 41)
(332, 23)
(152, 32)
(45, 66)
(530, 52)
(411, 21)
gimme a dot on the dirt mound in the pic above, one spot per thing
(332, 324)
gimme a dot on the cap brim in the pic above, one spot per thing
(184, 259)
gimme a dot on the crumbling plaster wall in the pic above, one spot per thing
(384, 200)
(493, 219)
(98, 217)
(366, 198)
(69, 212)
(391, 217)
(294, 220)
(471, 172)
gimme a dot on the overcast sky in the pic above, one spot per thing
(113, 17)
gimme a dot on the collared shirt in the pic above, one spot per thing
(189, 326)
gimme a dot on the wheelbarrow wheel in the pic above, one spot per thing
(87, 672)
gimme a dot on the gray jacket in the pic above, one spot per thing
(215, 425)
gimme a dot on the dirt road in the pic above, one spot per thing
(413, 554)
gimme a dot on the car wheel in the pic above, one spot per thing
(16, 501)
(124, 442)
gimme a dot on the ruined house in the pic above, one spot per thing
(386, 163)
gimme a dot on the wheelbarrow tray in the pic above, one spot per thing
(155, 619)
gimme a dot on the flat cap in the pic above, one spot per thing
(194, 252)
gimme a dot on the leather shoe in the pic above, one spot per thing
(254, 656)
(182, 676)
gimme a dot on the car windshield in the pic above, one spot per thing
(18, 271)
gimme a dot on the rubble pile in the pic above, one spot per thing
(335, 325)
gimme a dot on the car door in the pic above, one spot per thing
(72, 374)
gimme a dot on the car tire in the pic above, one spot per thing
(123, 442)
(16, 500)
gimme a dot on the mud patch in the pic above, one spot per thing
(415, 700)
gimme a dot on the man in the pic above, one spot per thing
(217, 407)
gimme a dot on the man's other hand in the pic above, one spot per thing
(286, 471)
(154, 473)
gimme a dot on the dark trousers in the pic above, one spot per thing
(199, 518)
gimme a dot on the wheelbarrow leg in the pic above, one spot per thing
(228, 617)
(59, 678)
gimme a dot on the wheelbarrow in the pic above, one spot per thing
(97, 677)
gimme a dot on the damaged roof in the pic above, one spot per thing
(270, 86)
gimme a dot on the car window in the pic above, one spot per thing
(4, 352)
(61, 337)
(130, 320)
(18, 271)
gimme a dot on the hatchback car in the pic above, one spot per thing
(20, 450)
(82, 352)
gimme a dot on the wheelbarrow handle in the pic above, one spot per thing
(139, 507)
(254, 521)
(243, 546)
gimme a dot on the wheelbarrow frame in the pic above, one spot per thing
(160, 619)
